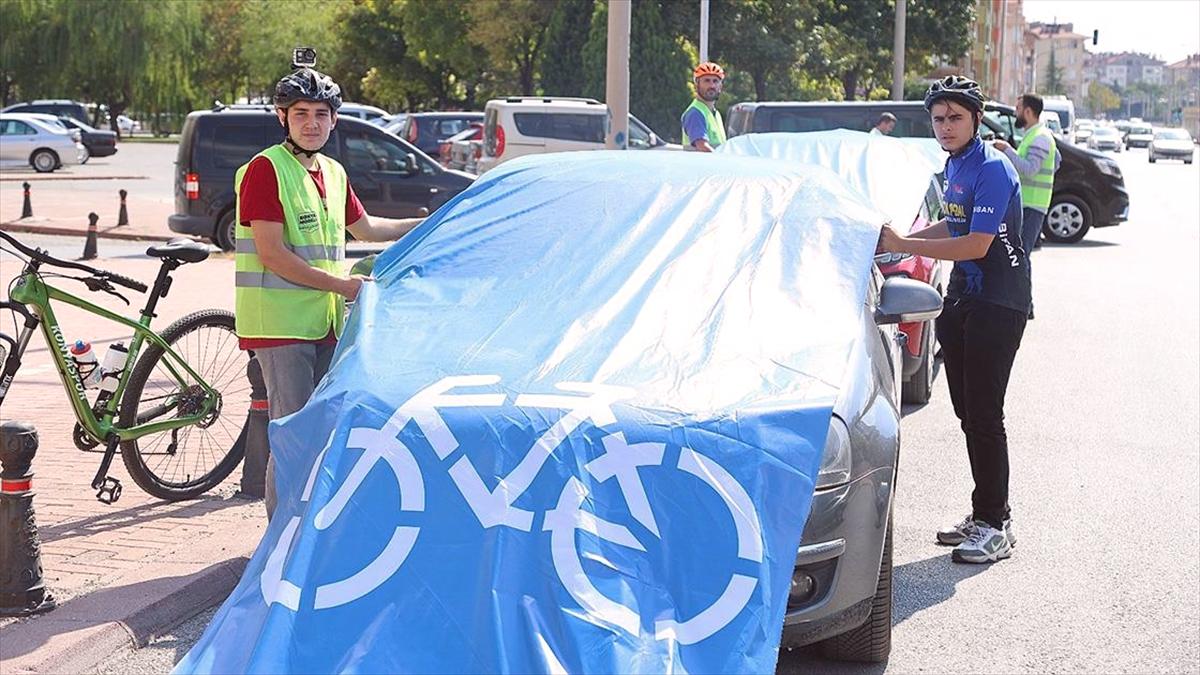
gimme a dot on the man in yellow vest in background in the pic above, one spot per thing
(294, 206)
(703, 128)
(1035, 160)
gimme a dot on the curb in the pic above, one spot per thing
(33, 179)
(83, 633)
(13, 226)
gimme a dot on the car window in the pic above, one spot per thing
(368, 153)
(15, 128)
(448, 127)
(562, 126)
(1004, 123)
(639, 136)
(228, 144)
(1172, 135)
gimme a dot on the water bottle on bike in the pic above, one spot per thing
(85, 363)
(112, 367)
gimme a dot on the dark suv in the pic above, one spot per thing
(428, 130)
(1089, 190)
(57, 107)
(391, 177)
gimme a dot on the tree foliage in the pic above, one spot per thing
(1101, 98)
(176, 55)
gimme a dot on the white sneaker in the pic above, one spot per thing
(958, 533)
(983, 545)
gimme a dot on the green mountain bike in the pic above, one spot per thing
(178, 414)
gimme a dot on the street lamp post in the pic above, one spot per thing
(898, 52)
(616, 91)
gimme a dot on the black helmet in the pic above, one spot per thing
(956, 88)
(307, 84)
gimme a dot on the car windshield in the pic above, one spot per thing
(1105, 131)
(72, 122)
(1140, 130)
(1173, 135)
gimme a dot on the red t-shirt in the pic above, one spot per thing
(260, 201)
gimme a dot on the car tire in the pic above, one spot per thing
(872, 641)
(918, 388)
(1187, 161)
(87, 154)
(1068, 220)
(43, 160)
(225, 234)
(1152, 158)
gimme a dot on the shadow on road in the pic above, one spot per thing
(917, 586)
(1083, 243)
(135, 515)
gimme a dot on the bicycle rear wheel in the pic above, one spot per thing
(185, 463)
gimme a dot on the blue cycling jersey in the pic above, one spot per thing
(983, 194)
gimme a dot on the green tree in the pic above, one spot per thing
(562, 56)
(1101, 98)
(765, 39)
(372, 48)
(275, 27)
(659, 69)
(1054, 77)
(444, 68)
(512, 33)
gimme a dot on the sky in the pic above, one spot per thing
(1169, 29)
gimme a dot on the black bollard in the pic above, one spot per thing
(123, 215)
(22, 591)
(89, 246)
(27, 207)
(254, 468)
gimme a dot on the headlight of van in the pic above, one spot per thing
(835, 461)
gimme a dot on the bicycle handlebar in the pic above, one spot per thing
(42, 256)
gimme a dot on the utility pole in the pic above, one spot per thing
(703, 31)
(616, 91)
(898, 52)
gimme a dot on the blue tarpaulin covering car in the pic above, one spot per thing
(574, 425)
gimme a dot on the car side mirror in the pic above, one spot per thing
(904, 300)
(655, 141)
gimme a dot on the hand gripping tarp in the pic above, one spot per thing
(891, 174)
(573, 426)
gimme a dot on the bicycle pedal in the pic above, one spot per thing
(109, 492)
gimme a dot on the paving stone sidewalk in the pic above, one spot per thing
(125, 571)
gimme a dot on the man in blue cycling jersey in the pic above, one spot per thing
(987, 303)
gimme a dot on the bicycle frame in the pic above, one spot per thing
(36, 295)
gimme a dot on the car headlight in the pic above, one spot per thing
(889, 258)
(1110, 168)
(835, 461)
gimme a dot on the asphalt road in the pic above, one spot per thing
(1104, 428)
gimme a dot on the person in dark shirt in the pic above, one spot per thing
(987, 303)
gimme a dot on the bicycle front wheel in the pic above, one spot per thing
(185, 463)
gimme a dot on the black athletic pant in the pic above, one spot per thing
(979, 341)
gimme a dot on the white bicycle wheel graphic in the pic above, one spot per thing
(621, 462)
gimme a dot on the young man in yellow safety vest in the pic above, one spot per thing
(1035, 160)
(294, 206)
(703, 128)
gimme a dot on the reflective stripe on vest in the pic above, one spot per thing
(714, 126)
(267, 305)
(1038, 189)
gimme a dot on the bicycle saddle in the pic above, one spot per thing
(183, 250)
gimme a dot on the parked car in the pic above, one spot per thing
(1051, 121)
(393, 124)
(903, 181)
(99, 142)
(1083, 130)
(474, 132)
(427, 130)
(1064, 108)
(368, 113)
(392, 178)
(55, 107)
(1139, 136)
(1172, 144)
(38, 141)
(127, 125)
(1105, 138)
(530, 125)
(1089, 190)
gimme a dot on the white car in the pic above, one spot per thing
(529, 125)
(1105, 138)
(127, 125)
(38, 141)
(362, 111)
(1139, 136)
(1172, 144)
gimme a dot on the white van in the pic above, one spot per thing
(529, 125)
(1065, 109)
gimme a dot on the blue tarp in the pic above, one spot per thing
(573, 426)
(891, 174)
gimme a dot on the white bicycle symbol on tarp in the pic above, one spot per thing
(494, 508)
